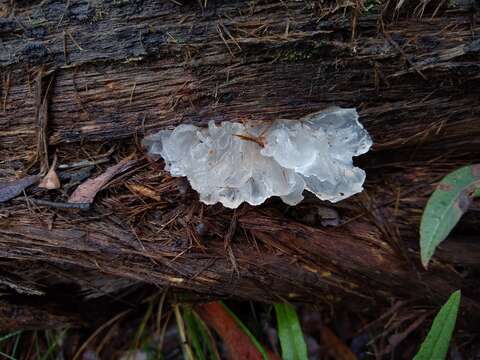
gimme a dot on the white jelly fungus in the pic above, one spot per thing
(235, 162)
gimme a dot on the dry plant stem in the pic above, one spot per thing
(187, 351)
(98, 331)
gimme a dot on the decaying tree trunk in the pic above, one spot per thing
(86, 80)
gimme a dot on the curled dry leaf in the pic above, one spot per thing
(11, 189)
(86, 192)
(51, 180)
(144, 191)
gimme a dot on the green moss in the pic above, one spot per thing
(452, 4)
(300, 54)
(295, 55)
(100, 14)
(371, 5)
(305, 52)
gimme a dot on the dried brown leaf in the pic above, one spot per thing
(239, 343)
(397, 338)
(86, 192)
(338, 349)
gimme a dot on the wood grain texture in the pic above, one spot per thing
(122, 69)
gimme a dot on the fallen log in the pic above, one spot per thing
(87, 80)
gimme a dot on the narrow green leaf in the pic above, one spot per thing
(193, 333)
(247, 332)
(15, 346)
(7, 356)
(446, 206)
(290, 333)
(142, 326)
(435, 346)
(53, 341)
(207, 337)
(10, 335)
(199, 336)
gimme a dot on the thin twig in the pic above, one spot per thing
(405, 56)
(225, 41)
(65, 47)
(67, 6)
(133, 90)
(76, 43)
(7, 89)
(60, 205)
(96, 332)
(83, 163)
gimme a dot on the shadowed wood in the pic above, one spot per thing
(114, 71)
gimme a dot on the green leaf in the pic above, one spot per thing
(193, 333)
(290, 333)
(446, 206)
(199, 336)
(435, 346)
(207, 337)
(247, 332)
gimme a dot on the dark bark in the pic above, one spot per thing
(99, 75)
(27, 317)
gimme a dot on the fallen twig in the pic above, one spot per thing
(62, 205)
(11, 189)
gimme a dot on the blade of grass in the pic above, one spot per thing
(247, 332)
(200, 335)
(98, 331)
(15, 345)
(158, 327)
(207, 335)
(8, 336)
(435, 346)
(164, 331)
(143, 324)
(193, 332)
(7, 356)
(52, 343)
(290, 333)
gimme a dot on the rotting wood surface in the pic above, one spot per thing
(92, 78)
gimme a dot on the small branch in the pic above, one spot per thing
(61, 205)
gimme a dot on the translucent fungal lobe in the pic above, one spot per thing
(234, 162)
